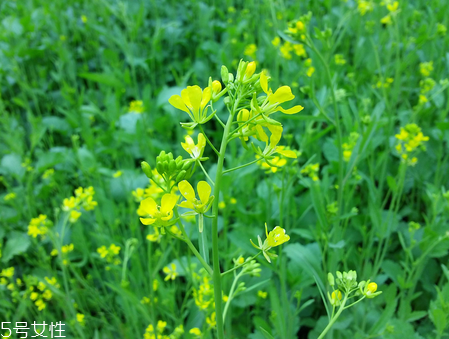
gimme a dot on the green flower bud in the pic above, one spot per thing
(160, 167)
(146, 168)
(224, 74)
(172, 166)
(181, 176)
(330, 278)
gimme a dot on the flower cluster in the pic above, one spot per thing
(39, 292)
(152, 333)
(275, 238)
(364, 6)
(204, 294)
(39, 226)
(110, 254)
(83, 199)
(410, 141)
(136, 106)
(153, 190)
(349, 146)
(312, 171)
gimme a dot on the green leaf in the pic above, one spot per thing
(102, 78)
(438, 318)
(17, 243)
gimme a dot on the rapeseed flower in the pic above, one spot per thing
(9, 196)
(426, 68)
(194, 102)
(198, 206)
(410, 141)
(136, 106)
(170, 271)
(39, 226)
(160, 216)
(275, 238)
(312, 171)
(195, 151)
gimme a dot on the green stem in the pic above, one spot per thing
(205, 173)
(242, 166)
(231, 295)
(189, 243)
(202, 240)
(215, 250)
(239, 266)
(334, 318)
(208, 141)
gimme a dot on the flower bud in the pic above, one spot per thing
(216, 87)
(250, 69)
(172, 166)
(181, 176)
(224, 74)
(146, 168)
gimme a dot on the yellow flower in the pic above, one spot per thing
(250, 69)
(48, 173)
(80, 318)
(195, 151)
(216, 87)
(74, 216)
(54, 252)
(170, 272)
(34, 295)
(194, 102)
(117, 174)
(10, 196)
(393, 7)
(339, 59)
(300, 26)
(158, 215)
(155, 285)
(211, 321)
(200, 205)
(7, 272)
(386, 20)
(422, 99)
(67, 248)
(195, 331)
(275, 238)
(221, 205)
(310, 71)
(300, 50)
(262, 294)
(40, 304)
(250, 50)
(426, 68)
(83, 18)
(372, 287)
(335, 298)
(364, 6)
(136, 106)
(273, 100)
(285, 50)
(233, 201)
(47, 294)
(312, 171)
(276, 41)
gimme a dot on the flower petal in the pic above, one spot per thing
(282, 94)
(177, 102)
(147, 221)
(264, 82)
(292, 110)
(206, 97)
(260, 133)
(186, 204)
(287, 153)
(185, 98)
(188, 144)
(276, 134)
(148, 206)
(168, 202)
(195, 94)
(187, 190)
(201, 143)
(204, 191)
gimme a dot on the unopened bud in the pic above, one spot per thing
(250, 69)
(146, 168)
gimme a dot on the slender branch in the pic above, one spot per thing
(239, 167)
(239, 266)
(208, 141)
(205, 173)
(191, 246)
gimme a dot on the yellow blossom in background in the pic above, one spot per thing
(339, 59)
(349, 146)
(422, 99)
(110, 254)
(204, 294)
(410, 141)
(83, 18)
(310, 71)
(154, 237)
(312, 171)
(384, 84)
(67, 248)
(276, 161)
(276, 237)
(276, 41)
(211, 321)
(7, 272)
(286, 50)
(10, 196)
(441, 29)
(262, 294)
(155, 285)
(117, 174)
(40, 304)
(196, 331)
(250, 50)
(170, 271)
(74, 216)
(300, 26)
(80, 318)
(54, 252)
(364, 6)
(426, 68)
(300, 50)
(221, 205)
(393, 7)
(39, 226)
(386, 20)
(136, 106)
(233, 201)
(48, 173)
(426, 85)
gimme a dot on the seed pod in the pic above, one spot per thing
(146, 168)
(181, 176)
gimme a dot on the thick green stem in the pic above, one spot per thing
(204, 245)
(215, 250)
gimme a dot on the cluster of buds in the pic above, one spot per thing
(170, 169)
(346, 283)
(249, 266)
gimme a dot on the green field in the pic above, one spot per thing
(224, 169)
